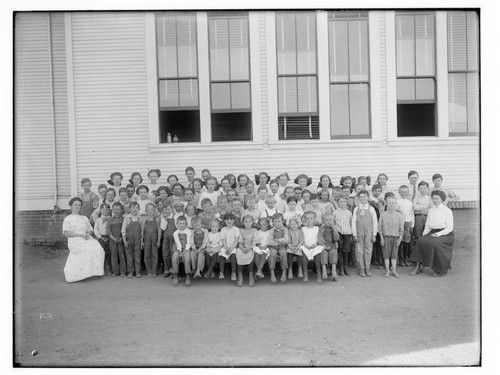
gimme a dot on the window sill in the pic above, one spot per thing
(308, 143)
(402, 141)
(197, 146)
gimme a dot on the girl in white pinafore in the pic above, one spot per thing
(86, 256)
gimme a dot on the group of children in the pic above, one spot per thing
(204, 224)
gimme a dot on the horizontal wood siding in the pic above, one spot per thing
(60, 104)
(34, 176)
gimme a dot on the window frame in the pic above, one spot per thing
(178, 78)
(227, 16)
(465, 71)
(284, 115)
(415, 77)
(351, 16)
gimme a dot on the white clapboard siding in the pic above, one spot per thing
(110, 77)
(112, 124)
(61, 104)
(34, 157)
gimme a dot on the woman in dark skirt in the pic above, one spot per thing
(435, 248)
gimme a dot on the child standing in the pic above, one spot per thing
(283, 180)
(151, 239)
(329, 255)
(132, 239)
(261, 250)
(167, 225)
(320, 208)
(405, 206)
(183, 239)
(342, 219)
(241, 190)
(214, 245)
(101, 190)
(251, 210)
(153, 185)
(262, 179)
(377, 202)
(210, 193)
(391, 227)
(208, 214)
(118, 260)
(382, 181)
(237, 211)
(421, 206)
(412, 185)
(262, 195)
(90, 200)
(325, 184)
(143, 200)
(115, 182)
(311, 248)
(229, 236)
(135, 179)
(190, 175)
(200, 242)
(364, 229)
(292, 212)
(277, 240)
(295, 241)
(270, 211)
(101, 231)
(190, 214)
(244, 253)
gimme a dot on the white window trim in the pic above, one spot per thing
(323, 58)
(443, 125)
(390, 42)
(272, 76)
(255, 88)
(375, 79)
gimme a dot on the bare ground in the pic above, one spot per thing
(357, 321)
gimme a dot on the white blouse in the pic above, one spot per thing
(439, 217)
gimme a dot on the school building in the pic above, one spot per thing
(317, 92)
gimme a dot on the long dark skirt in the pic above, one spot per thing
(434, 252)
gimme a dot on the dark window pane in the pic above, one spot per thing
(359, 109)
(405, 89)
(287, 94)
(425, 88)
(184, 124)
(221, 96)
(303, 127)
(339, 108)
(240, 95)
(416, 120)
(231, 126)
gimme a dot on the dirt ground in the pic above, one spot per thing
(357, 321)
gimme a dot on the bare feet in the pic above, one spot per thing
(362, 273)
(306, 277)
(395, 274)
(259, 274)
(283, 276)
(368, 273)
(273, 278)
(300, 273)
(319, 278)
(290, 273)
(387, 273)
(334, 275)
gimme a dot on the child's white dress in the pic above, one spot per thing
(86, 257)
(310, 238)
(262, 238)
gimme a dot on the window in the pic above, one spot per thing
(416, 74)
(463, 73)
(230, 77)
(297, 76)
(349, 74)
(177, 77)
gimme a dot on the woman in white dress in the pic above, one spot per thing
(86, 256)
